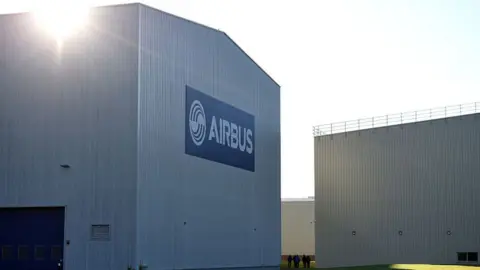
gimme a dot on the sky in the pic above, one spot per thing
(340, 60)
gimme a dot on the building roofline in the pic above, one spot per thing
(225, 35)
(251, 59)
(309, 199)
(391, 120)
(217, 31)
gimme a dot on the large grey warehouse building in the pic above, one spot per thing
(143, 138)
(399, 189)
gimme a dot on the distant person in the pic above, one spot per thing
(296, 261)
(304, 261)
(289, 260)
(309, 259)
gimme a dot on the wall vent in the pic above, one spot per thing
(100, 232)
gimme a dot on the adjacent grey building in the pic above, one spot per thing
(144, 138)
(405, 193)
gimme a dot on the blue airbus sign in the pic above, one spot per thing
(219, 132)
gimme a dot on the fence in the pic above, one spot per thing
(397, 119)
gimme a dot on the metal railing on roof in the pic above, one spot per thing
(396, 119)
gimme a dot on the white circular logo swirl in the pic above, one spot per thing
(198, 123)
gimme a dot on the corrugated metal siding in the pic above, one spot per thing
(221, 205)
(298, 227)
(75, 106)
(420, 178)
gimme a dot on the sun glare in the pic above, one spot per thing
(62, 19)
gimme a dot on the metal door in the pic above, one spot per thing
(31, 238)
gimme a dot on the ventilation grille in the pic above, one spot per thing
(100, 233)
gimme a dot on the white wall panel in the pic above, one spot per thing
(298, 227)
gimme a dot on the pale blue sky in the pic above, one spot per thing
(341, 60)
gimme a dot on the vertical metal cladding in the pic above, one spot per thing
(205, 201)
(76, 105)
(112, 105)
(399, 194)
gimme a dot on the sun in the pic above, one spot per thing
(62, 18)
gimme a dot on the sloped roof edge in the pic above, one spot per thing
(216, 31)
(181, 18)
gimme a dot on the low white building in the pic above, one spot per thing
(298, 226)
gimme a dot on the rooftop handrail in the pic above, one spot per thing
(396, 119)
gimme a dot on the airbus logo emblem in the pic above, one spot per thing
(198, 123)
